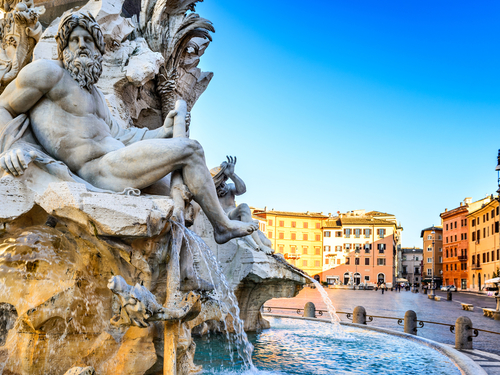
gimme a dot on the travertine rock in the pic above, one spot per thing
(106, 214)
(143, 65)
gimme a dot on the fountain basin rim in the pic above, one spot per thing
(466, 365)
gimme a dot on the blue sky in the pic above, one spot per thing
(341, 105)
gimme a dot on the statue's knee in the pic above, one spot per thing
(195, 147)
(244, 207)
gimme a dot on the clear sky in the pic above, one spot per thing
(341, 105)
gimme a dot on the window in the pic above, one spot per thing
(270, 222)
(492, 213)
(338, 261)
(455, 225)
(304, 236)
(304, 263)
(429, 237)
(292, 249)
(294, 236)
(317, 250)
(326, 233)
(347, 246)
(367, 278)
(280, 248)
(368, 233)
(381, 247)
(461, 237)
(455, 237)
(473, 259)
(465, 235)
(487, 216)
(367, 261)
(318, 237)
(318, 225)
(380, 261)
(429, 249)
(440, 259)
(446, 253)
(282, 223)
(327, 248)
(446, 239)
(381, 233)
(439, 237)
(347, 261)
(338, 233)
(416, 258)
(317, 263)
(304, 250)
(429, 272)
(347, 232)
(446, 229)
(446, 267)
(473, 236)
(478, 221)
(281, 236)
(294, 224)
(357, 246)
(487, 257)
(356, 261)
(269, 234)
(327, 261)
(338, 248)
(305, 225)
(357, 232)
(429, 260)
(368, 247)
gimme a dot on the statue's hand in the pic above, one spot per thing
(168, 124)
(16, 161)
(231, 161)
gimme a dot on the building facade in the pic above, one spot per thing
(412, 265)
(296, 235)
(432, 264)
(484, 243)
(456, 245)
(362, 243)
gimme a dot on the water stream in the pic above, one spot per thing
(224, 294)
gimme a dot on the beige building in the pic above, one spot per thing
(296, 235)
(361, 243)
(432, 263)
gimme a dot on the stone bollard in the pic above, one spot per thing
(411, 322)
(449, 296)
(359, 315)
(309, 310)
(496, 315)
(463, 333)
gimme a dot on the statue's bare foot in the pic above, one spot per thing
(267, 250)
(233, 230)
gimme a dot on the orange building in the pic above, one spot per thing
(296, 235)
(484, 245)
(455, 246)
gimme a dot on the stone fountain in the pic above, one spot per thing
(99, 184)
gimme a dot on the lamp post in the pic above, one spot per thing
(433, 250)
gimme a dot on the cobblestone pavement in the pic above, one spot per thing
(395, 304)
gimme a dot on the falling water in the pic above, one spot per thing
(225, 295)
(339, 332)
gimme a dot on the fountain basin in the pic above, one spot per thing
(309, 346)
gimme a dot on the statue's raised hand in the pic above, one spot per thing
(16, 161)
(231, 161)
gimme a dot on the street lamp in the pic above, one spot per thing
(433, 250)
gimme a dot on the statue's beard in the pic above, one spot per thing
(84, 67)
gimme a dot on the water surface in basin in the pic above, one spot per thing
(310, 348)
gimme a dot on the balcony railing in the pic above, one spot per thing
(476, 267)
(292, 256)
(462, 258)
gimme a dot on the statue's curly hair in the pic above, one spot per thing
(73, 20)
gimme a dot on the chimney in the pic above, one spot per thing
(265, 208)
(461, 204)
(445, 210)
(468, 200)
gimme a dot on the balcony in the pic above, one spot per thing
(292, 256)
(462, 258)
(475, 267)
(330, 255)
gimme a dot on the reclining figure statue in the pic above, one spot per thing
(228, 192)
(53, 114)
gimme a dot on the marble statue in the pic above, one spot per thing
(53, 110)
(227, 193)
